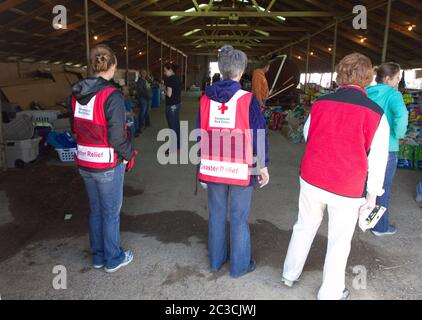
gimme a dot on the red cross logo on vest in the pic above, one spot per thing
(223, 108)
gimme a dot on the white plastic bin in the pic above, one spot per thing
(23, 151)
(66, 155)
(41, 116)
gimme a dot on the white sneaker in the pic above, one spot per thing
(287, 283)
(98, 266)
(128, 259)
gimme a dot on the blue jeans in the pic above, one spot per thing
(144, 118)
(419, 192)
(173, 120)
(384, 223)
(105, 193)
(219, 197)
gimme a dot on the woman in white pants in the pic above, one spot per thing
(342, 171)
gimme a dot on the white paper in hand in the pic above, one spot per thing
(369, 218)
(204, 185)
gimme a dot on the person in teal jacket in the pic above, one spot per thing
(386, 95)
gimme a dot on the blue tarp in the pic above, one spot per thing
(156, 95)
(61, 140)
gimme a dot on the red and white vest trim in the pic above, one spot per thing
(90, 127)
(226, 142)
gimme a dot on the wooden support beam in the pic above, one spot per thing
(6, 5)
(386, 31)
(118, 15)
(228, 27)
(231, 37)
(127, 51)
(29, 16)
(3, 164)
(232, 43)
(308, 51)
(161, 61)
(394, 26)
(87, 38)
(195, 3)
(186, 74)
(324, 28)
(334, 51)
(148, 53)
(234, 14)
(416, 4)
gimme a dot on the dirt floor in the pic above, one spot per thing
(165, 225)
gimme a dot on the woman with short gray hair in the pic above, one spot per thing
(226, 109)
(232, 63)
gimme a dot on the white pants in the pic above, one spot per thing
(343, 214)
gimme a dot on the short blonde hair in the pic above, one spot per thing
(355, 69)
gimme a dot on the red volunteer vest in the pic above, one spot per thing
(226, 143)
(90, 127)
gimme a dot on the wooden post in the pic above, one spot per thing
(148, 51)
(3, 164)
(87, 40)
(334, 52)
(161, 61)
(186, 74)
(127, 51)
(386, 31)
(182, 67)
(308, 50)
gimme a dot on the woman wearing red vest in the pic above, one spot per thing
(103, 155)
(232, 136)
(342, 171)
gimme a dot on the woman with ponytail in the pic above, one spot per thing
(386, 95)
(103, 155)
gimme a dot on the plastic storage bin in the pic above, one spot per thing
(18, 129)
(41, 118)
(20, 152)
(66, 155)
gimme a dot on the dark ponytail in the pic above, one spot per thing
(387, 69)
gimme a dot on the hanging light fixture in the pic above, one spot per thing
(411, 27)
